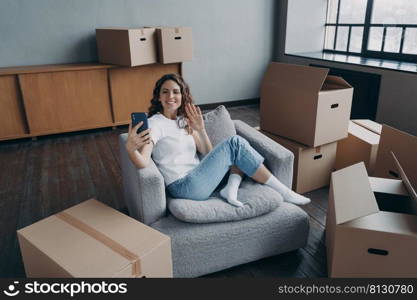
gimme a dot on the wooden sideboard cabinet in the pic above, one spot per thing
(41, 100)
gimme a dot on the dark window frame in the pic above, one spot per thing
(365, 37)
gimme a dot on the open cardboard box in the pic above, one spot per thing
(126, 46)
(92, 239)
(312, 165)
(305, 104)
(360, 145)
(364, 240)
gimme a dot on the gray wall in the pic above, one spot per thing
(233, 39)
(397, 103)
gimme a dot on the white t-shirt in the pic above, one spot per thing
(174, 150)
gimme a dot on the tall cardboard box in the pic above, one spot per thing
(312, 165)
(364, 239)
(92, 239)
(305, 104)
(360, 145)
(126, 46)
(404, 146)
(175, 44)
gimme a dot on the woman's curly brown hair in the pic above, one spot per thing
(156, 106)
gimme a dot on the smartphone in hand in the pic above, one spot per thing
(136, 118)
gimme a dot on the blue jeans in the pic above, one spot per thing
(200, 183)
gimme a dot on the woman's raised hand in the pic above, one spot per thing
(194, 117)
(136, 141)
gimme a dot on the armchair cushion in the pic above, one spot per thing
(258, 200)
(219, 125)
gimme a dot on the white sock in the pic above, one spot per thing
(229, 192)
(288, 195)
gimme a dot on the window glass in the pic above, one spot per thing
(394, 12)
(342, 38)
(329, 42)
(356, 39)
(352, 11)
(393, 40)
(410, 41)
(332, 11)
(375, 38)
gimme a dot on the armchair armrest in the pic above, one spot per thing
(278, 159)
(143, 189)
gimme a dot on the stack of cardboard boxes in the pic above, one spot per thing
(371, 225)
(307, 111)
(141, 46)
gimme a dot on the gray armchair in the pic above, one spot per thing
(199, 249)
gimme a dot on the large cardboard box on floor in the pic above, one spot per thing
(360, 145)
(175, 44)
(364, 237)
(305, 104)
(404, 146)
(312, 165)
(127, 46)
(92, 239)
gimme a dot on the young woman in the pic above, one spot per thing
(177, 132)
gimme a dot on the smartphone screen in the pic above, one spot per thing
(137, 117)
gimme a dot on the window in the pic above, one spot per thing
(372, 28)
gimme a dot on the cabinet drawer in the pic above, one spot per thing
(66, 101)
(12, 116)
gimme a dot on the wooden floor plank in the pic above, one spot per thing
(13, 162)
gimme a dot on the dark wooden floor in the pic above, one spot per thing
(39, 178)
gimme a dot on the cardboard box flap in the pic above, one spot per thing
(404, 145)
(352, 193)
(337, 81)
(388, 186)
(306, 78)
(363, 133)
(405, 179)
(385, 221)
(370, 125)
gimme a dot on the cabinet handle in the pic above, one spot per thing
(177, 37)
(334, 105)
(318, 156)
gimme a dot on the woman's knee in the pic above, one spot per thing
(236, 140)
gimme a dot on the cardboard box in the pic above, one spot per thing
(126, 46)
(404, 146)
(175, 44)
(305, 104)
(360, 145)
(93, 240)
(312, 165)
(362, 239)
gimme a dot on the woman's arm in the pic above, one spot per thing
(196, 122)
(139, 146)
(202, 141)
(141, 157)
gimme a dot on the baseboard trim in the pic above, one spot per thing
(254, 101)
